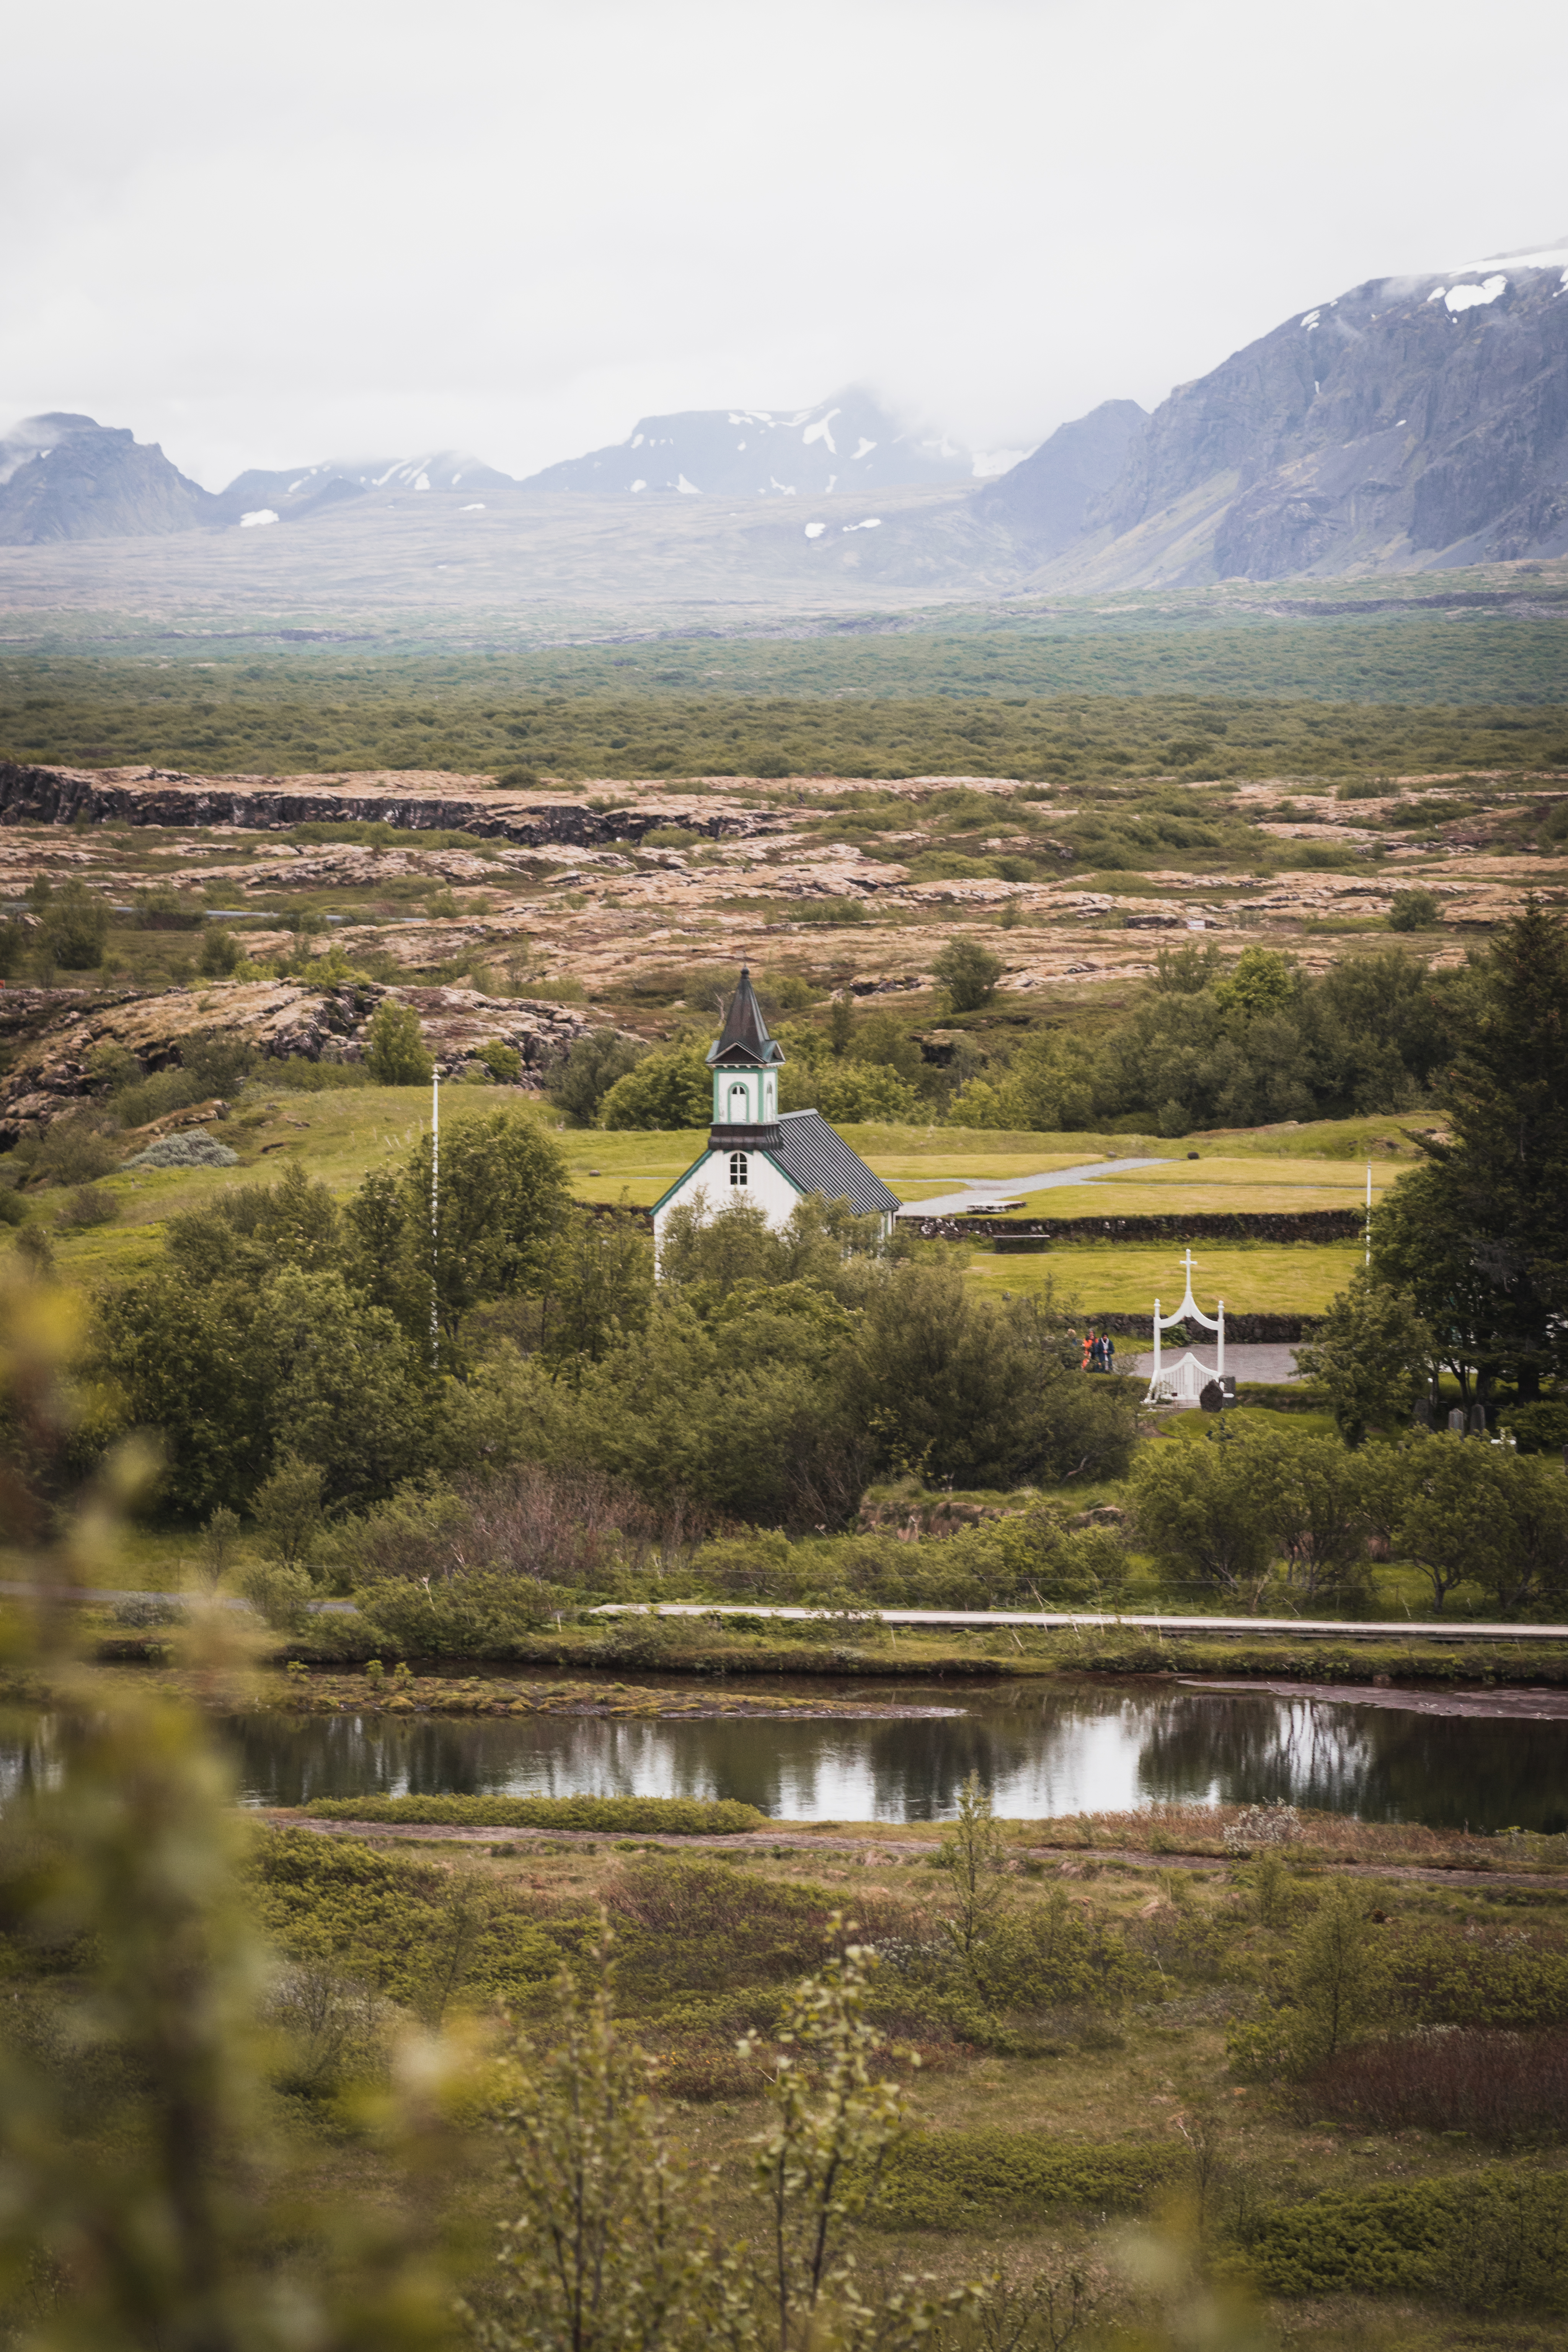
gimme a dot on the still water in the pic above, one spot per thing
(1059, 1748)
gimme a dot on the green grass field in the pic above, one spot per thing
(340, 1136)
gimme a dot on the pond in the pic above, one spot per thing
(1051, 1748)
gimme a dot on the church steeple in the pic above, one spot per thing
(745, 1063)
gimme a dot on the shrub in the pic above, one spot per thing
(420, 1932)
(503, 1062)
(1539, 1428)
(828, 911)
(668, 1816)
(395, 1052)
(959, 2179)
(75, 1150)
(89, 1205)
(1506, 2087)
(1413, 911)
(148, 1611)
(473, 1616)
(280, 1596)
(1487, 2243)
(76, 926)
(969, 974)
(185, 1151)
(221, 951)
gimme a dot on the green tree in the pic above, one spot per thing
(969, 974)
(608, 2250)
(667, 1090)
(1204, 1514)
(1373, 1353)
(503, 1197)
(592, 1066)
(974, 1857)
(1260, 981)
(847, 1092)
(1503, 1179)
(1336, 1974)
(1315, 1492)
(1049, 1086)
(396, 1052)
(596, 1289)
(288, 1512)
(140, 2169)
(1481, 1513)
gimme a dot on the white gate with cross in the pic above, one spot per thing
(1183, 1382)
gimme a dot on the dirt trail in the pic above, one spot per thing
(1072, 1862)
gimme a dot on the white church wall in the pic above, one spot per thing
(708, 1184)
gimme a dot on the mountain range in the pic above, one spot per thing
(846, 444)
(1410, 424)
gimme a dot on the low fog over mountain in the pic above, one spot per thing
(1409, 424)
(846, 443)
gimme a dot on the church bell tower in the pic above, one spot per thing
(745, 1063)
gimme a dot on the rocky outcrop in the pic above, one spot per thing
(65, 477)
(164, 797)
(52, 1071)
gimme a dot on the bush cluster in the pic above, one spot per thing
(618, 1816)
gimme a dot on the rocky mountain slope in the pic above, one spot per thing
(66, 476)
(846, 444)
(1047, 501)
(1411, 424)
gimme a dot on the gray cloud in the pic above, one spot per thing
(264, 234)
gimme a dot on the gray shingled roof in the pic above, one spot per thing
(819, 1160)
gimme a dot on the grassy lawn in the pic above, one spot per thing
(339, 1135)
(1252, 1277)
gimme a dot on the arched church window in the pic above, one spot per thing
(739, 1101)
(738, 1168)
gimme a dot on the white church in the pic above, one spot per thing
(772, 1157)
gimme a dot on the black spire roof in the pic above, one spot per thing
(745, 1037)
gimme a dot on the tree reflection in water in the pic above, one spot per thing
(1041, 1748)
(1383, 1764)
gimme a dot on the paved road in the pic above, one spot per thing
(1248, 1362)
(1315, 1629)
(977, 1197)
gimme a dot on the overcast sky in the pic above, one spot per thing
(269, 234)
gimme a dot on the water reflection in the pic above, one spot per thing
(1053, 1748)
(1041, 1748)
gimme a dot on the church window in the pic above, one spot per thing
(739, 1104)
(738, 1168)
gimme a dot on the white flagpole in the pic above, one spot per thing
(1368, 1258)
(435, 1217)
